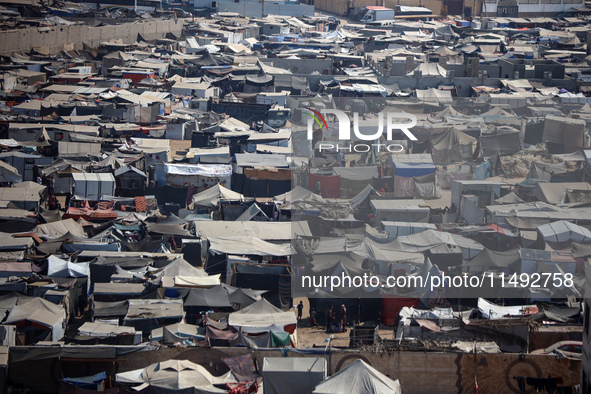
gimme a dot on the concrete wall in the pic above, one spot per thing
(419, 372)
(57, 36)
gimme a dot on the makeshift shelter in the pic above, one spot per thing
(563, 135)
(563, 231)
(412, 165)
(176, 376)
(556, 193)
(177, 332)
(434, 95)
(452, 146)
(9, 174)
(93, 186)
(199, 300)
(426, 70)
(212, 196)
(490, 259)
(253, 213)
(358, 378)
(503, 143)
(39, 319)
(145, 315)
(545, 171)
(129, 177)
(286, 375)
(102, 330)
(354, 179)
(263, 317)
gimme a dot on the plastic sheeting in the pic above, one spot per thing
(452, 146)
(249, 246)
(42, 312)
(563, 231)
(60, 268)
(176, 375)
(494, 311)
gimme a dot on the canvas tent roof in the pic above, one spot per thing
(434, 95)
(491, 258)
(261, 317)
(298, 193)
(429, 70)
(40, 311)
(251, 212)
(555, 193)
(452, 146)
(249, 246)
(154, 309)
(270, 231)
(8, 173)
(216, 297)
(562, 231)
(211, 196)
(178, 329)
(545, 170)
(180, 267)
(176, 375)
(359, 378)
(98, 329)
(58, 229)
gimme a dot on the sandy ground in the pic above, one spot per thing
(179, 148)
(308, 337)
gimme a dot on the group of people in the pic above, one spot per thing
(333, 324)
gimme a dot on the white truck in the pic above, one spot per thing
(377, 13)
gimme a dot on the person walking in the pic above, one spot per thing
(300, 310)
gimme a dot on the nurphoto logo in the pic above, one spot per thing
(393, 121)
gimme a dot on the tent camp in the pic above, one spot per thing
(286, 375)
(358, 378)
(210, 197)
(176, 376)
(452, 146)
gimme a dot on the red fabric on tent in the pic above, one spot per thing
(330, 185)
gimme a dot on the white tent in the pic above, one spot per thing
(211, 196)
(93, 186)
(287, 375)
(9, 174)
(98, 329)
(60, 268)
(562, 231)
(176, 375)
(261, 317)
(359, 378)
(41, 312)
